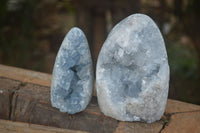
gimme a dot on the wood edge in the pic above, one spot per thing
(25, 75)
(10, 124)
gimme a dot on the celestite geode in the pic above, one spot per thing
(132, 74)
(73, 78)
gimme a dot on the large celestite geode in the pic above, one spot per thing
(132, 74)
(73, 77)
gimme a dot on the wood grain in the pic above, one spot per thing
(24, 75)
(19, 127)
(7, 88)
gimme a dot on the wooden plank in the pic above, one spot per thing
(139, 127)
(19, 127)
(31, 104)
(24, 75)
(187, 122)
(28, 100)
(7, 88)
(174, 106)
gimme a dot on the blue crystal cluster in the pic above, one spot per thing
(72, 79)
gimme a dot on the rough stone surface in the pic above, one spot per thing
(132, 75)
(72, 79)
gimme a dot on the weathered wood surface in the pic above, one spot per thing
(31, 103)
(19, 127)
(23, 100)
(24, 75)
(7, 88)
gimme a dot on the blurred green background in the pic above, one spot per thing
(32, 31)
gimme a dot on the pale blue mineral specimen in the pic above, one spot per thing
(73, 77)
(132, 74)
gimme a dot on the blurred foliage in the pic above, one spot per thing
(183, 60)
(30, 30)
(68, 6)
(184, 69)
(17, 37)
(188, 12)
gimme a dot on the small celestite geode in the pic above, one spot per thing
(73, 77)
